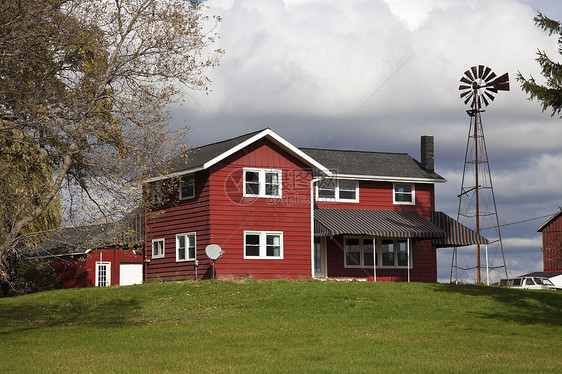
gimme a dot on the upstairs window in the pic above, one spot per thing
(262, 183)
(404, 194)
(338, 190)
(187, 187)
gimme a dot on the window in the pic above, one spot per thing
(362, 252)
(187, 187)
(263, 244)
(338, 190)
(404, 194)
(185, 247)
(103, 274)
(359, 252)
(394, 252)
(262, 183)
(158, 248)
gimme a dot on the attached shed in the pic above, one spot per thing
(97, 255)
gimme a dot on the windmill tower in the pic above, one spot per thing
(477, 204)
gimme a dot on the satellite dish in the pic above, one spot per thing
(214, 252)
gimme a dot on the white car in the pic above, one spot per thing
(532, 283)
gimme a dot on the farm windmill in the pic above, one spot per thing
(477, 204)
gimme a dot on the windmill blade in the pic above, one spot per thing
(491, 89)
(469, 75)
(465, 93)
(490, 96)
(474, 72)
(501, 83)
(469, 97)
(486, 72)
(461, 87)
(492, 76)
(484, 98)
(480, 71)
(466, 80)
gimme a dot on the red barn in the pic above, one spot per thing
(96, 255)
(279, 211)
(552, 243)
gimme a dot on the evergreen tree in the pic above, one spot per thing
(549, 94)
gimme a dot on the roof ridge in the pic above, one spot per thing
(352, 150)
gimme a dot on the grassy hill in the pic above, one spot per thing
(283, 326)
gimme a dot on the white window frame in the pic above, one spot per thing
(262, 182)
(337, 192)
(107, 273)
(155, 243)
(378, 252)
(263, 245)
(186, 235)
(413, 192)
(180, 184)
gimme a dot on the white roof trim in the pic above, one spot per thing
(278, 140)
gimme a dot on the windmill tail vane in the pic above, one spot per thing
(480, 84)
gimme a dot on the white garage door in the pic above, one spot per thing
(130, 274)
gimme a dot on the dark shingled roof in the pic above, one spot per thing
(127, 233)
(398, 165)
(382, 164)
(198, 156)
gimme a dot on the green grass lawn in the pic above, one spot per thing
(283, 326)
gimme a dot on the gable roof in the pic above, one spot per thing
(550, 220)
(382, 166)
(204, 157)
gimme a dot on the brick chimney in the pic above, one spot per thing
(427, 153)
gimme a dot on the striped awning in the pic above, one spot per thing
(458, 235)
(381, 223)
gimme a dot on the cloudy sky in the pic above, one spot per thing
(378, 74)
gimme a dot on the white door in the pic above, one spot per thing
(103, 274)
(130, 274)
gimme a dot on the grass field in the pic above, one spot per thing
(283, 326)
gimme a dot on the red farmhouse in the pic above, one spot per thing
(552, 243)
(371, 216)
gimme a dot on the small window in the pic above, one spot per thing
(185, 247)
(404, 194)
(262, 183)
(327, 189)
(263, 245)
(158, 248)
(367, 251)
(338, 190)
(187, 187)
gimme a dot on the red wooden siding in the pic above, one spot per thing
(379, 195)
(552, 245)
(80, 271)
(180, 216)
(232, 214)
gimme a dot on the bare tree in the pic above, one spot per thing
(87, 84)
